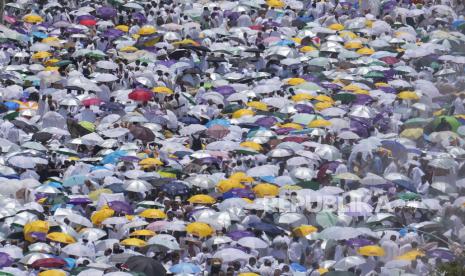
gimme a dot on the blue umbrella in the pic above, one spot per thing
(74, 180)
(55, 184)
(267, 228)
(113, 157)
(39, 34)
(398, 150)
(298, 267)
(175, 188)
(221, 122)
(189, 268)
(11, 105)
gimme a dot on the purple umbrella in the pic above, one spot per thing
(40, 236)
(444, 254)
(5, 260)
(85, 17)
(73, 31)
(232, 15)
(266, 121)
(209, 160)
(362, 99)
(129, 158)
(112, 33)
(285, 130)
(303, 108)
(225, 90)
(106, 12)
(139, 17)
(239, 192)
(79, 201)
(388, 90)
(310, 78)
(167, 63)
(359, 128)
(121, 207)
(330, 85)
(239, 234)
(359, 242)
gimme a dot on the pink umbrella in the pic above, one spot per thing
(157, 226)
(271, 39)
(217, 131)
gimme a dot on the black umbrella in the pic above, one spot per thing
(25, 126)
(216, 59)
(253, 50)
(146, 265)
(196, 48)
(177, 54)
(75, 129)
(42, 136)
(142, 133)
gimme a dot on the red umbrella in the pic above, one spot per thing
(92, 101)
(256, 27)
(217, 131)
(49, 263)
(88, 22)
(390, 60)
(140, 95)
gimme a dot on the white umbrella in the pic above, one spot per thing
(264, 170)
(91, 272)
(302, 173)
(253, 242)
(105, 77)
(373, 179)
(77, 249)
(164, 240)
(328, 152)
(115, 132)
(231, 254)
(348, 262)
(137, 186)
(105, 64)
(78, 219)
(292, 219)
(191, 129)
(92, 234)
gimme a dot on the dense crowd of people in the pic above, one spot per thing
(178, 137)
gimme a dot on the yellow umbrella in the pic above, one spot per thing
(381, 84)
(122, 28)
(248, 274)
(52, 272)
(35, 226)
(128, 49)
(258, 105)
(304, 230)
(150, 162)
(290, 188)
(410, 256)
(228, 184)
(295, 81)
(371, 250)
(336, 27)
(51, 61)
(153, 214)
(99, 216)
(167, 174)
(162, 90)
(408, 95)
(147, 30)
(60, 237)
(351, 87)
(322, 105)
(94, 195)
(251, 145)
(368, 23)
(186, 42)
(133, 242)
(297, 40)
(302, 97)
(26, 105)
(265, 189)
(324, 98)
(322, 270)
(412, 133)
(291, 125)
(50, 39)
(353, 45)
(200, 229)
(32, 18)
(275, 3)
(319, 123)
(348, 35)
(143, 232)
(242, 112)
(41, 55)
(307, 49)
(51, 68)
(241, 176)
(365, 51)
(202, 199)
(362, 91)
(87, 125)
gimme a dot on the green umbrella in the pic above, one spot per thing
(409, 196)
(11, 116)
(326, 219)
(62, 63)
(374, 75)
(451, 120)
(345, 98)
(309, 185)
(230, 108)
(416, 122)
